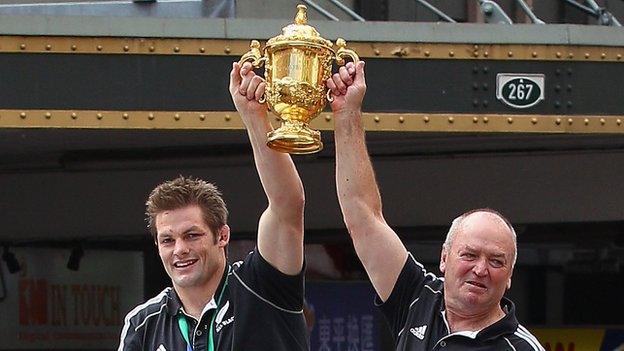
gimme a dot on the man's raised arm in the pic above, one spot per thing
(377, 245)
(280, 230)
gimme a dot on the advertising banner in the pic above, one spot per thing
(581, 339)
(344, 316)
(47, 306)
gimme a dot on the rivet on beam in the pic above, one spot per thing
(99, 48)
(509, 120)
(227, 50)
(74, 115)
(377, 52)
(534, 54)
(202, 117)
(227, 118)
(48, 47)
(570, 121)
(426, 119)
(485, 54)
(619, 56)
(176, 49)
(451, 53)
(427, 53)
(376, 119)
(73, 48)
(401, 119)
(22, 115)
(150, 116)
(99, 116)
(125, 116)
(558, 121)
(510, 54)
(328, 118)
(618, 121)
(486, 120)
(475, 120)
(570, 55)
(475, 54)
(602, 121)
(534, 120)
(587, 55)
(202, 50)
(22, 46)
(152, 48)
(603, 56)
(451, 119)
(586, 121)
(48, 115)
(176, 116)
(558, 54)
(126, 48)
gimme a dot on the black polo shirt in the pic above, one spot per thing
(257, 308)
(415, 312)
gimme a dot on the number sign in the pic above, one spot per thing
(520, 90)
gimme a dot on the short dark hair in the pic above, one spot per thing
(186, 191)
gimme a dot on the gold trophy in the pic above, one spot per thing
(297, 64)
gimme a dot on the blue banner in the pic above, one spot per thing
(344, 316)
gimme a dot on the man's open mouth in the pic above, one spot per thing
(184, 264)
(477, 284)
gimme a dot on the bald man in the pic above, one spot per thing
(466, 309)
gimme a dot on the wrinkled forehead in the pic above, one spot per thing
(180, 220)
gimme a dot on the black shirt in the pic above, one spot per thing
(415, 312)
(257, 308)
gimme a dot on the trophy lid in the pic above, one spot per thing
(299, 31)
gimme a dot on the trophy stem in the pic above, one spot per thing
(295, 137)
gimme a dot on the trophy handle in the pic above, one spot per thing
(341, 54)
(257, 60)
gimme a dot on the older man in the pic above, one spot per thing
(464, 311)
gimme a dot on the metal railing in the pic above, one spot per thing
(488, 11)
(492, 12)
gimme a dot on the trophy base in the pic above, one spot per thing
(294, 138)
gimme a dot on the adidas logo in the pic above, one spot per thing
(419, 332)
(161, 348)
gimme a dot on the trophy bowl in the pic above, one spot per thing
(296, 65)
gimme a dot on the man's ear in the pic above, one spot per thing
(443, 256)
(509, 283)
(223, 237)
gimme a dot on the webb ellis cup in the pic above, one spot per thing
(296, 65)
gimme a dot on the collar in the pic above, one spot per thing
(506, 325)
(174, 305)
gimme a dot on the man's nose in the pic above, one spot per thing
(480, 268)
(180, 248)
